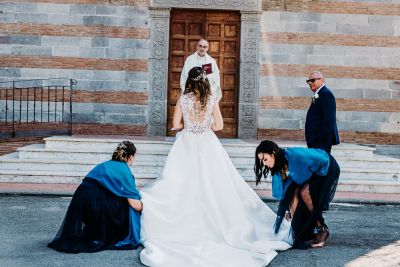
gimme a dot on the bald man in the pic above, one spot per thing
(321, 129)
(201, 59)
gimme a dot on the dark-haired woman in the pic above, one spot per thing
(104, 212)
(200, 211)
(304, 180)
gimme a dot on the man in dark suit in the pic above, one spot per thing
(321, 132)
(321, 129)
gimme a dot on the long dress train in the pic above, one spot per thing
(200, 211)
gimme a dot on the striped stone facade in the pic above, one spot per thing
(355, 43)
(102, 45)
(108, 48)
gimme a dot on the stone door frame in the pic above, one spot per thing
(250, 11)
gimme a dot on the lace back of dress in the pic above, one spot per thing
(196, 119)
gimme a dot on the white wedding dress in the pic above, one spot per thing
(200, 211)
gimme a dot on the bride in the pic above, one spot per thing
(200, 211)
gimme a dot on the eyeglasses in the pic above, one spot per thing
(310, 81)
(202, 46)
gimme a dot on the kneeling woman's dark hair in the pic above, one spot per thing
(123, 151)
(271, 148)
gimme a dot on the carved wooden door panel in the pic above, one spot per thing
(221, 29)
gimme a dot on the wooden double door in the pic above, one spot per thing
(222, 30)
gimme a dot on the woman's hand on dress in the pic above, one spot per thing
(136, 204)
(288, 216)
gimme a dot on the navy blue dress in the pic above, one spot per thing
(320, 171)
(99, 216)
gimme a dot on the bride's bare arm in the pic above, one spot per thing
(218, 123)
(177, 123)
(135, 204)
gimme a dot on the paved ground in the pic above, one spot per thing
(361, 235)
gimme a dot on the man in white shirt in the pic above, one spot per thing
(201, 59)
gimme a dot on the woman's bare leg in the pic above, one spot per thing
(294, 203)
(323, 233)
(306, 196)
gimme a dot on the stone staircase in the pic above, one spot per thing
(66, 160)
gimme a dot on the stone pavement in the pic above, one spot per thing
(361, 235)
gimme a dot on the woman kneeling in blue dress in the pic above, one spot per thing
(304, 180)
(104, 212)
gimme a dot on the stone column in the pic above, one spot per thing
(157, 99)
(249, 74)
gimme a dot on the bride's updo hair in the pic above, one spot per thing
(123, 151)
(198, 84)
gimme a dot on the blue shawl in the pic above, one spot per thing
(302, 164)
(117, 177)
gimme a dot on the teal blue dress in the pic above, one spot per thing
(320, 171)
(302, 164)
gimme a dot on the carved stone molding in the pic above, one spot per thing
(253, 15)
(159, 40)
(249, 74)
(210, 4)
(159, 12)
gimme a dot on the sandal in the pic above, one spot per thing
(321, 237)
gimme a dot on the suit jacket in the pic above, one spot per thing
(321, 129)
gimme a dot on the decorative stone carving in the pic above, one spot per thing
(210, 4)
(249, 74)
(248, 110)
(157, 116)
(159, 39)
(158, 82)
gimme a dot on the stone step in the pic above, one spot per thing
(50, 177)
(42, 154)
(378, 175)
(11, 163)
(41, 151)
(62, 160)
(47, 177)
(154, 170)
(350, 150)
(369, 186)
(102, 144)
(377, 161)
(38, 151)
(107, 145)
